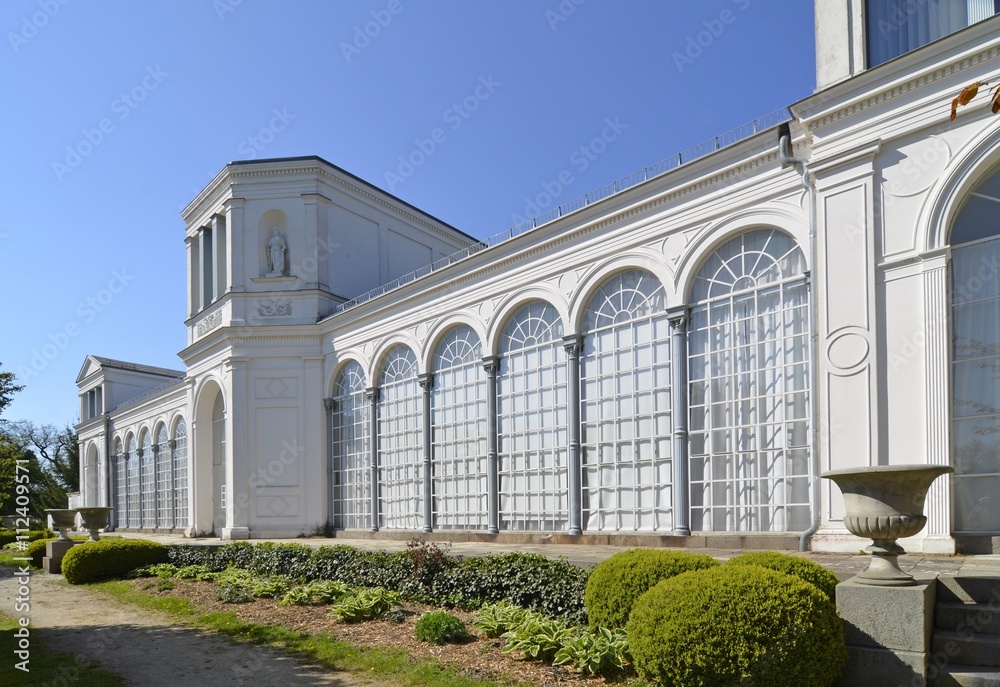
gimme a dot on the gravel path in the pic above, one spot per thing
(151, 649)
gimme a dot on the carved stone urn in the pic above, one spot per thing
(10, 521)
(885, 503)
(63, 519)
(95, 518)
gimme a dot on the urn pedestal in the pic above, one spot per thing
(885, 503)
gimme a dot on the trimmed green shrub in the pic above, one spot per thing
(617, 582)
(6, 537)
(110, 558)
(736, 625)
(802, 568)
(439, 627)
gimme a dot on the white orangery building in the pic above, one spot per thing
(675, 357)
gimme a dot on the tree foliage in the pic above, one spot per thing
(51, 458)
(7, 389)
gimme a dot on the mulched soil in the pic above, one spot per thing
(481, 658)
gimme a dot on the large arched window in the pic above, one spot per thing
(748, 347)
(164, 485)
(134, 519)
(181, 474)
(121, 485)
(459, 435)
(625, 407)
(975, 263)
(148, 485)
(532, 421)
(400, 441)
(351, 474)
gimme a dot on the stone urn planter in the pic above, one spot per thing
(63, 519)
(885, 503)
(9, 521)
(95, 518)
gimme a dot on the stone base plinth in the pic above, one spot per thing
(54, 552)
(888, 632)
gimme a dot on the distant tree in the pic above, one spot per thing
(52, 459)
(7, 388)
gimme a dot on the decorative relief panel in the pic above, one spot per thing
(274, 308)
(276, 387)
(848, 350)
(277, 506)
(914, 167)
(209, 323)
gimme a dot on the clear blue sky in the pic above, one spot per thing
(118, 112)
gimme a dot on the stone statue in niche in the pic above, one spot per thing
(275, 254)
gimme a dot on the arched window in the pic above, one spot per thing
(625, 407)
(400, 441)
(180, 474)
(134, 519)
(748, 347)
(121, 486)
(351, 474)
(458, 401)
(164, 485)
(148, 485)
(532, 421)
(975, 297)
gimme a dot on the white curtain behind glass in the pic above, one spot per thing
(896, 27)
(351, 481)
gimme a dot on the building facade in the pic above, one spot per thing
(677, 355)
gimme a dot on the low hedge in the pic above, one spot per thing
(617, 582)
(36, 549)
(9, 536)
(802, 568)
(736, 625)
(422, 573)
(110, 558)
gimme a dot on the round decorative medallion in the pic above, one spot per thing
(847, 350)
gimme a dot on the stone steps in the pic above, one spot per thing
(965, 646)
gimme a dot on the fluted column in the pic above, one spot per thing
(373, 394)
(427, 383)
(573, 344)
(329, 405)
(492, 366)
(678, 419)
(937, 405)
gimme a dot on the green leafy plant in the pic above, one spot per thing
(161, 570)
(164, 585)
(327, 592)
(110, 558)
(594, 652)
(617, 582)
(537, 637)
(496, 619)
(802, 568)
(439, 627)
(739, 624)
(366, 604)
(202, 573)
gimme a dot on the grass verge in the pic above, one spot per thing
(389, 665)
(48, 666)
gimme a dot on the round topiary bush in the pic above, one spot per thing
(439, 627)
(802, 568)
(36, 551)
(736, 625)
(616, 583)
(110, 558)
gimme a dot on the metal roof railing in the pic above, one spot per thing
(719, 142)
